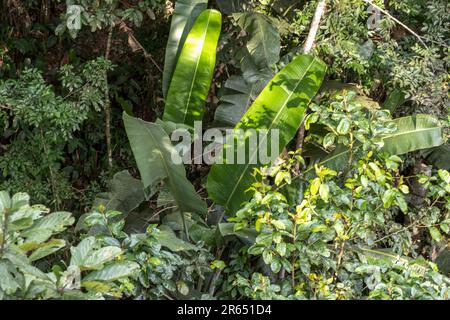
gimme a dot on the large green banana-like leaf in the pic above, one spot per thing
(154, 152)
(194, 71)
(236, 98)
(232, 6)
(280, 106)
(413, 133)
(263, 42)
(183, 18)
(438, 156)
(388, 256)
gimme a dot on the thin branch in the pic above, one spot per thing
(216, 275)
(320, 9)
(52, 174)
(108, 105)
(398, 21)
(136, 45)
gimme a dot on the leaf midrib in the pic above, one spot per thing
(266, 52)
(270, 127)
(410, 131)
(166, 168)
(196, 68)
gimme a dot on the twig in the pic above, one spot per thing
(216, 275)
(398, 21)
(214, 278)
(52, 175)
(320, 9)
(396, 232)
(108, 105)
(136, 45)
(161, 211)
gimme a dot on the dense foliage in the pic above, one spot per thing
(354, 204)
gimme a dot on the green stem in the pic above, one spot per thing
(4, 231)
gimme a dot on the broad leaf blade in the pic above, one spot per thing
(438, 156)
(168, 239)
(414, 133)
(47, 248)
(113, 271)
(47, 226)
(395, 99)
(263, 42)
(126, 194)
(236, 98)
(281, 105)
(153, 152)
(193, 74)
(183, 18)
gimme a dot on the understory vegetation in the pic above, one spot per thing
(353, 204)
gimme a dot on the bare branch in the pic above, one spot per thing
(398, 21)
(314, 26)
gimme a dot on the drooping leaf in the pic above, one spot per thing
(47, 226)
(251, 72)
(47, 248)
(126, 194)
(247, 234)
(71, 278)
(414, 133)
(19, 200)
(236, 98)
(438, 156)
(155, 154)
(387, 256)
(336, 160)
(198, 233)
(7, 282)
(168, 239)
(5, 201)
(263, 41)
(281, 106)
(183, 18)
(169, 126)
(97, 258)
(22, 262)
(395, 99)
(87, 257)
(194, 71)
(82, 251)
